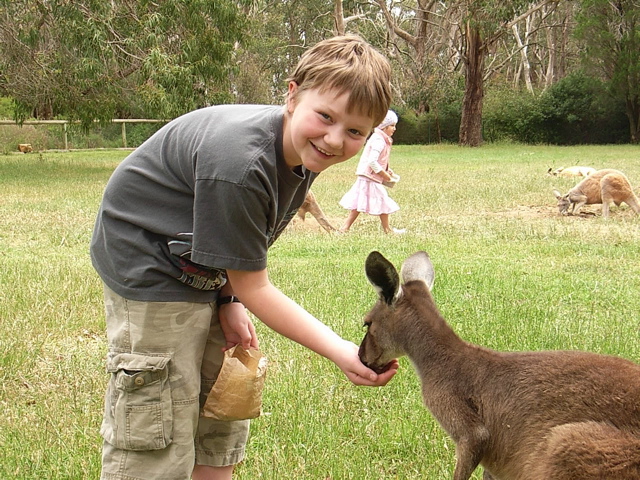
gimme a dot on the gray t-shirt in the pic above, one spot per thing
(209, 191)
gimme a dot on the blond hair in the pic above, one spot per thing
(348, 64)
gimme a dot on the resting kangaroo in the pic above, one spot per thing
(555, 415)
(603, 186)
(571, 171)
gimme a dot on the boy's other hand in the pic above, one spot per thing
(237, 326)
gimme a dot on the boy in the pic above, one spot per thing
(181, 244)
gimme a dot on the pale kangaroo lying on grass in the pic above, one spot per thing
(604, 186)
(571, 171)
(555, 415)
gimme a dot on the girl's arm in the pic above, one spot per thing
(286, 317)
(377, 145)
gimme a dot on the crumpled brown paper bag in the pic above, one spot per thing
(237, 393)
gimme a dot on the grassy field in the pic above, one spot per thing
(511, 274)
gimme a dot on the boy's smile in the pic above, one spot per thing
(318, 129)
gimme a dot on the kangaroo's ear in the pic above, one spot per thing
(418, 267)
(383, 276)
(557, 194)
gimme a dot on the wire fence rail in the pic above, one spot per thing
(66, 123)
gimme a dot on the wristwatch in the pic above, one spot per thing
(227, 299)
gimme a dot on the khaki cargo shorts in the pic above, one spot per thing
(163, 359)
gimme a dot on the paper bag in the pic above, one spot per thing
(237, 393)
(395, 178)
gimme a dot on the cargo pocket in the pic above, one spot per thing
(138, 409)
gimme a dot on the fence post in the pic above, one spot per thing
(124, 134)
(66, 138)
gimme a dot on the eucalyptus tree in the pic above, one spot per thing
(444, 37)
(281, 30)
(424, 53)
(482, 23)
(544, 49)
(347, 12)
(96, 59)
(610, 31)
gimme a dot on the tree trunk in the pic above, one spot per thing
(471, 121)
(633, 114)
(338, 16)
(551, 46)
(526, 66)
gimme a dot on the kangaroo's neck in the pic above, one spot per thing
(430, 343)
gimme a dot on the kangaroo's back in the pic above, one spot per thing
(617, 189)
(587, 450)
(591, 186)
(537, 392)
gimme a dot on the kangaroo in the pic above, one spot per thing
(311, 206)
(554, 415)
(576, 171)
(604, 186)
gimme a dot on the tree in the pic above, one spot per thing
(96, 59)
(483, 23)
(447, 36)
(610, 31)
(340, 20)
(281, 30)
(426, 62)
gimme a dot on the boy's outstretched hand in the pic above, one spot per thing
(359, 374)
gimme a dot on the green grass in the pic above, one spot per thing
(511, 275)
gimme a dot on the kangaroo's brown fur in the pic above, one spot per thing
(311, 206)
(604, 186)
(554, 415)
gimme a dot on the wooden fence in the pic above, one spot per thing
(65, 123)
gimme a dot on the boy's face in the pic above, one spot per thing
(319, 132)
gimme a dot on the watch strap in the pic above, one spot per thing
(227, 299)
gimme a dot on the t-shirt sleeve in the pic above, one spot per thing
(376, 146)
(230, 225)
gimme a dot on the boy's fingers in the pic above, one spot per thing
(383, 378)
(246, 338)
(254, 337)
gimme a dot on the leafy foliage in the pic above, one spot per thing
(95, 60)
(513, 115)
(91, 59)
(280, 32)
(576, 110)
(611, 34)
